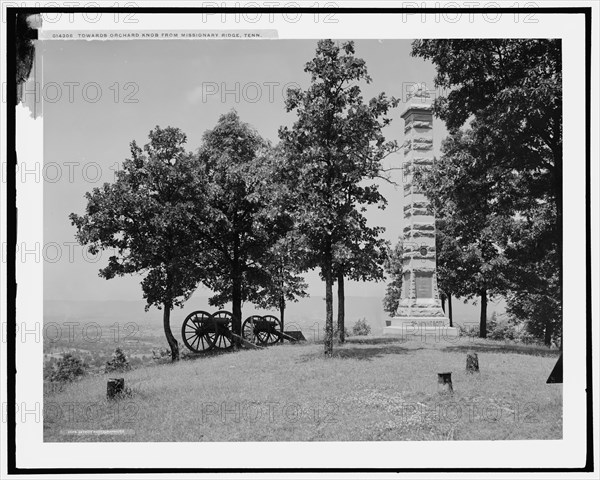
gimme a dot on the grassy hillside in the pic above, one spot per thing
(373, 389)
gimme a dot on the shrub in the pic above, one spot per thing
(502, 332)
(501, 328)
(468, 330)
(161, 355)
(118, 363)
(48, 368)
(361, 327)
(67, 368)
(523, 335)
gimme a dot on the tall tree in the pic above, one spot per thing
(241, 226)
(147, 218)
(471, 261)
(335, 143)
(512, 92)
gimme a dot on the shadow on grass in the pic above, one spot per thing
(358, 353)
(375, 340)
(482, 347)
(192, 356)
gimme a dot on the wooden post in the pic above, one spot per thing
(115, 387)
(472, 363)
(445, 382)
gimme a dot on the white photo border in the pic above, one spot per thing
(568, 453)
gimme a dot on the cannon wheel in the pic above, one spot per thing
(248, 328)
(262, 330)
(222, 338)
(197, 331)
(270, 337)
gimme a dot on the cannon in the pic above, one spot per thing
(202, 331)
(265, 330)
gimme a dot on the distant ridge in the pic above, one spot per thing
(307, 314)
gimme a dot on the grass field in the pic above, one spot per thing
(373, 389)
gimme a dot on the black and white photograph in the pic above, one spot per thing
(276, 239)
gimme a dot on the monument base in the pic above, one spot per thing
(419, 327)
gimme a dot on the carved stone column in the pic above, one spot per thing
(420, 310)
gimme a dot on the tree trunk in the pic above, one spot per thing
(341, 310)
(443, 300)
(168, 334)
(281, 314)
(115, 387)
(560, 340)
(548, 334)
(445, 382)
(450, 309)
(328, 274)
(483, 315)
(236, 295)
(236, 304)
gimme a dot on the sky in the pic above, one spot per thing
(101, 95)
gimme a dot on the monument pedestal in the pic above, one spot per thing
(419, 327)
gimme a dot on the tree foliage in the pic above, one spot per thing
(241, 225)
(471, 261)
(148, 219)
(283, 283)
(359, 255)
(448, 260)
(394, 270)
(286, 258)
(535, 294)
(507, 165)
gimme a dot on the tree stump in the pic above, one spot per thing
(445, 382)
(115, 387)
(472, 363)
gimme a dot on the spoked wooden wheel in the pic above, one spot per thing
(249, 328)
(223, 327)
(262, 330)
(198, 331)
(271, 328)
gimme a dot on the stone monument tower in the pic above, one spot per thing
(420, 310)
